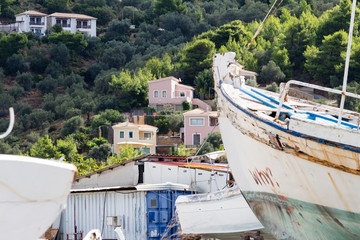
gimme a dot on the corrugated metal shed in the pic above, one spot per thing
(89, 210)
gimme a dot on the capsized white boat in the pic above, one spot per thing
(33, 192)
(216, 213)
(295, 163)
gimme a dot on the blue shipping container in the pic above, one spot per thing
(161, 217)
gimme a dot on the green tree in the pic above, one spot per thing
(132, 89)
(271, 73)
(100, 152)
(60, 53)
(125, 153)
(273, 87)
(25, 80)
(44, 148)
(72, 125)
(47, 85)
(163, 125)
(56, 5)
(186, 105)
(179, 150)
(74, 41)
(39, 117)
(197, 56)
(323, 62)
(176, 121)
(204, 82)
(11, 44)
(68, 148)
(15, 63)
(163, 6)
(160, 67)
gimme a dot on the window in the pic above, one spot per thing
(146, 150)
(131, 134)
(182, 94)
(196, 121)
(164, 94)
(196, 139)
(156, 94)
(147, 135)
(122, 134)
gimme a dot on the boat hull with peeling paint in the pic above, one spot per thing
(33, 192)
(300, 174)
(221, 212)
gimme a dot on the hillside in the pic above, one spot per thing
(60, 85)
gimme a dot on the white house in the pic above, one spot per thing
(32, 21)
(73, 22)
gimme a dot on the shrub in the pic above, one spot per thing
(23, 108)
(16, 91)
(15, 63)
(25, 80)
(54, 69)
(72, 112)
(60, 53)
(162, 125)
(273, 87)
(38, 117)
(72, 125)
(47, 85)
(186, 106)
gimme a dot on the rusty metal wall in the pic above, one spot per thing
(86, 212)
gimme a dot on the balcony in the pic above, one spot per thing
(65, 25)
(83, 27)
(37, 23)
(145, 138)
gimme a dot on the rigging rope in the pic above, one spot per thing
(266, 18)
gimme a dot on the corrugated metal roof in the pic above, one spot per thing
(102, 189)
(196, 165)
(147, 157)
(88, 211)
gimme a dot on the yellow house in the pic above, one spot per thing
(141, 136)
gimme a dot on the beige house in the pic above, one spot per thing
(141, 136)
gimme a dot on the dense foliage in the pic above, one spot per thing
(69, 86)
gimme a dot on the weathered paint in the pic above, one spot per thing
(307, 220)
(224, 211)
(88, 211)
(310, 171)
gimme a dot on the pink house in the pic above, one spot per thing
(168, 94)
(198, 123)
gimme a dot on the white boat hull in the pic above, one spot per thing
(33, 192)
(215, 213)
(299, 187)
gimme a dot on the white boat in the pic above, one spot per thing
(296, 162)
(221, 213)
(33, 192)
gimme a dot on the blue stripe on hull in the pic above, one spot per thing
(292, 219)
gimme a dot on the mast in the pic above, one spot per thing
(346, 70)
